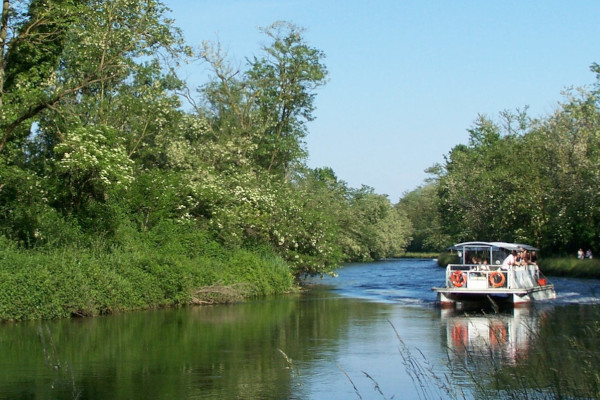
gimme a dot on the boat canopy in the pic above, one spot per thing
(479, 246)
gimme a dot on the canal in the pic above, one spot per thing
(373, 332)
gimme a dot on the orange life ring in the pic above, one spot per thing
(497, 283)
(458, 278)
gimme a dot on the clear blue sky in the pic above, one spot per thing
(408, 78)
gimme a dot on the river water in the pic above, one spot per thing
(373, 332)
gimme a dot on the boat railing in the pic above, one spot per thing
(484, 277)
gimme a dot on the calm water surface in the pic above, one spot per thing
(373, 332)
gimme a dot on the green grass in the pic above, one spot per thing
(446, 258)
(409, 254)
(170, 267)
(570, 266)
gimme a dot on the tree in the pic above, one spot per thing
(59, 50)
(479, 190)
(570, 159)
(528, 180)
(80, 80)
(421, 206)
(286, 78)
(372, 228)
(265, 112)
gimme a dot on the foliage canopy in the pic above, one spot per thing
(97, 147)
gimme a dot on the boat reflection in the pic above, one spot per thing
(504, 337)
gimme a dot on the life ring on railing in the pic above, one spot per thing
(494, 281)
(458, 278)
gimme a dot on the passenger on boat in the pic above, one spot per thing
(509, 260)
(526, 258)
(484, 265)
(533, 258)
(522, 257)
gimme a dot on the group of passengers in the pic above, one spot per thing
(520, 257)
(514, 258)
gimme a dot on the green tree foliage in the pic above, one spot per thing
(77, 97)
(98, 156)
(421, 207)
(527, 180)
(264, 112)
(372, 228)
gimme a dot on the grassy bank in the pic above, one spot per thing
(158, 269)
(418, 255)
(570, 266)
(446, 258)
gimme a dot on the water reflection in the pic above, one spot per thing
(314, 345)
(505, 336)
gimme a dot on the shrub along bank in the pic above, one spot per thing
(147, 271)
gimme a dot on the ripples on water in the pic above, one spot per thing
(389, 281)
(408, 281)
(467, 340)
(366, 320)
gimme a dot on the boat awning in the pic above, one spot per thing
(474, 246)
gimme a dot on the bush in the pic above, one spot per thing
(161, 268)
(446, 258)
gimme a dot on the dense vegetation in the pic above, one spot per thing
(519, 179)
(121, 187)
(116, 177)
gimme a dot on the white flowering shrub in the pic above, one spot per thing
(93, 159)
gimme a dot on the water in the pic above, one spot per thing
(365, 334)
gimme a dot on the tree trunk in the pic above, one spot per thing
(3, 33)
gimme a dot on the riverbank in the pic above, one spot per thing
(418, 255)
(145, 273)
(571, 267)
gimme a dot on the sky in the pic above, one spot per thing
(408, 78)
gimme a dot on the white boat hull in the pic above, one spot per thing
(449, 297)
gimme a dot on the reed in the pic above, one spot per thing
(446, 258)
(570, 371)
(414, 254)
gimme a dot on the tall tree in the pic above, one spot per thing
(83, 82)
(266, 110)
(286, 77)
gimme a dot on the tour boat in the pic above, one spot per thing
(483, 276)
